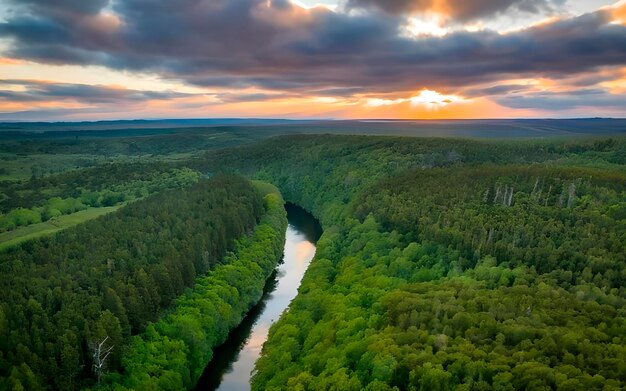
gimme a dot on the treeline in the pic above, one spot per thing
(173, 352)
(134, 141)
(450, 264)
(324, 173)
(110, 277)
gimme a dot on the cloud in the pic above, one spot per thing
(565, 100)
(281, 47)
(39, 91)
(502, 89)
(618, 12)
(458, 10)
(590, 93)
(254, 97)
(66, 6)
(44, 114)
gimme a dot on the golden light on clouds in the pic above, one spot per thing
(431, 26)
(49, 105)
(311, 59)
(477, 108)
(92, 75)
(426, 98)
(619, 12)
(434, 99)
(617, 86)
(331, 7)
(9, 61)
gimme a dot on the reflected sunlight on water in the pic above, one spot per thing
(234, 361)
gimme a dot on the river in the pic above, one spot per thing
(234, 360)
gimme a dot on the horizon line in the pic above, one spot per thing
(78, 121)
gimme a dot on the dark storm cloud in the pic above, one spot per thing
(33, 91)
(282, 47)
(458, 10)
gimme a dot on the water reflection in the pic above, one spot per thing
(234, 361)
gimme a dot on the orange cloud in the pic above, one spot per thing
(480, 108)
(9, 61)
(9, 107)
(619, 13)
(618, 84)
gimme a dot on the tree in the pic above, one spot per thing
(100, 354)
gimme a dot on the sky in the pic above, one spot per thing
(67, 60)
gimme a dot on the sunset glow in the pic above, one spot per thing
(311, 59)
(420, 27)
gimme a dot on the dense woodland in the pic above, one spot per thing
(172, 353)
(110, 277)
(451, 264)
(44, 198)
(444, 264)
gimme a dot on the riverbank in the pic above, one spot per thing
(172, 353)
(234, 360)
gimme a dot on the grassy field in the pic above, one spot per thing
(14, 237)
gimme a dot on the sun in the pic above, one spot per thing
(434, 98)
(426, 98)
(419, 27)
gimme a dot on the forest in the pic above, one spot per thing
(204, 315)
(445, 263)
(449, 264)
(43, 198)
(110, 277)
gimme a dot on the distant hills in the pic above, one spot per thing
(496, 128)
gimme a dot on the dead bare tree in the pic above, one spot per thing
(100, 354)
(495, 199)
(571, 195)
(548, 196)
(562, 196)
(535, 187)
